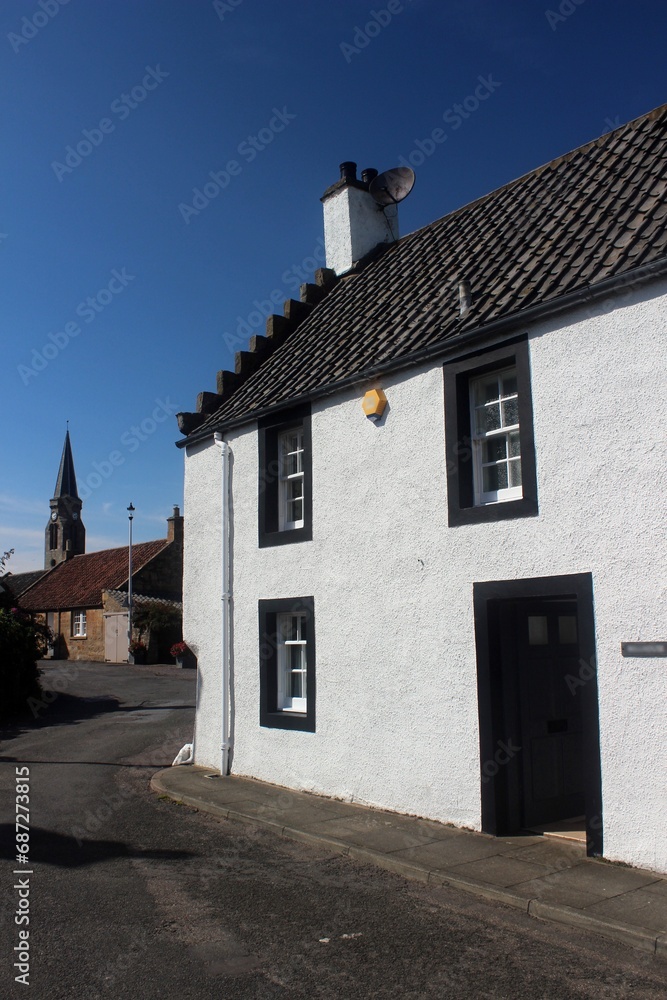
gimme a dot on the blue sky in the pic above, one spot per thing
(122, 295)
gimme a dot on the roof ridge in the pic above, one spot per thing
(119, 548)
(583, 219)
(562, 157)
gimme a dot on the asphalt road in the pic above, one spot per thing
(133, 896)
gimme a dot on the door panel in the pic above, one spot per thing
(549, 713)
(115, 638)
(530, 635)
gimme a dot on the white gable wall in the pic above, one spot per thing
(396, 707)
(202, 593)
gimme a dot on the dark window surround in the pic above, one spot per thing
(269, 430)
(269, 713)
(458, 437)
(487, 599)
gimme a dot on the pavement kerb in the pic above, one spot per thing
(366, 854)
(505, 896)
(654, 943)
(608, 928)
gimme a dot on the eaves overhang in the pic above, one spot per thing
(488, 334)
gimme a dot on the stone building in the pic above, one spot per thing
(65, 533)
(71, 595)
(80, 595)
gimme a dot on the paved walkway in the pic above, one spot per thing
(546, 877)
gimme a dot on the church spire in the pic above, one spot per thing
(66, 481)
(65, 533)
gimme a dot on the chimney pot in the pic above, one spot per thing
(354, 223)
(369, 175)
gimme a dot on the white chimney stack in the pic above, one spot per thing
(354, 223)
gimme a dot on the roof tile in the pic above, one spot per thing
(78, 582)
(591, 214)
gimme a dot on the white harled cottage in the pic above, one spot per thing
(425, 565)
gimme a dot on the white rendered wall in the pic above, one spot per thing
(397, 722)
(202, 593)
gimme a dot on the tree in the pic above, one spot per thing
(23, 640)
(159, 626)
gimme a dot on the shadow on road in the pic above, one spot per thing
(51, 848)
(121, 766)
(54, 709)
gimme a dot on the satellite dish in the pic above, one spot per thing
(392, 186)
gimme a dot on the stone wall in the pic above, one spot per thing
(163, 576)
(73, 648)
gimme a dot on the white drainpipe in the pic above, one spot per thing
(226, 601)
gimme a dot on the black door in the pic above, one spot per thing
(550, 717)
(539, 728)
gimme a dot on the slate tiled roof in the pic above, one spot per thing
(592, 214)
(19, 582)
(66, 481)
(78, 582)
(142, 600)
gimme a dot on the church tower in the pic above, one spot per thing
(65, 533)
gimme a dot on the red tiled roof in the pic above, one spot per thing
(78, 583)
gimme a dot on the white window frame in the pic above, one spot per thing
(287, 479)
(79, 624)
(284, 626)
(479, 438)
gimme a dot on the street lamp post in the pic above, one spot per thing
(129, 585)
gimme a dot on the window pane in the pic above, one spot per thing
(490, 479)
(537, 630)
(285, 623)
(495, 449)
(297, 686)
(487, 389)
(495, 409)
(488, 418)
(291, 627)
(295, 662)
(295, 510)
(509, 385)
(510, 412)
(567, 628)
(292, 464)
(495, 478)
(295, 489)
(292, 453)
(295, 656)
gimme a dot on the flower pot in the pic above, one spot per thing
(186, 660)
